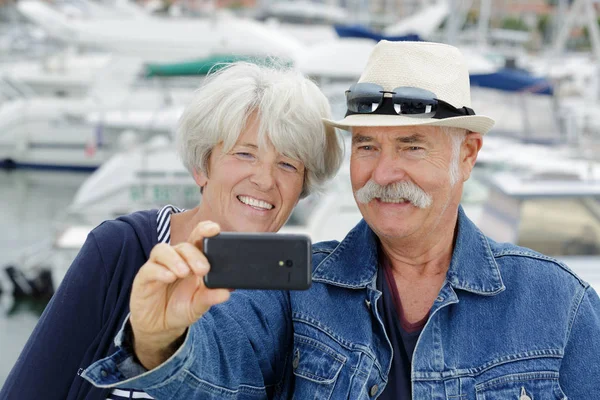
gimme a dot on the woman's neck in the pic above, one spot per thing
(183, 223)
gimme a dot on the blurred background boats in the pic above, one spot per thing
(90, 94)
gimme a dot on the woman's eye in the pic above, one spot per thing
(288, 166)
(415, 148)
(243, 154)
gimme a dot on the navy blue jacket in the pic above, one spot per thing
(80, 323)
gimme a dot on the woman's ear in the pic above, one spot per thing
(200, 178)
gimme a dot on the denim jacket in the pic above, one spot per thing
(508, 323)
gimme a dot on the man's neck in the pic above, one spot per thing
(426, 256)
(419, 269)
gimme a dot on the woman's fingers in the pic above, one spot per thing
(194, 258)
(157, 272)
(149, 276)
(182, 258)
(167, 256)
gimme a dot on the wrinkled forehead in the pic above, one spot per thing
(428, 133)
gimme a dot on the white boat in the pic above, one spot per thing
(143, 177)
(304, 12)
(155, 39)
(81, 133)
(87, 9)
(557, 214)
(62, 74)
(423, 23)
(308, 22)
(336, 59)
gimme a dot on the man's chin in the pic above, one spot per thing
(390, 222)
(393, 233)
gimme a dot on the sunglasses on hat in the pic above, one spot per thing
(369, 98)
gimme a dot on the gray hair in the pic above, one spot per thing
(457, 137)
(289, 108)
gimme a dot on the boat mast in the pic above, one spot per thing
(580, 9)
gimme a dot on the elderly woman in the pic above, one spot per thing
(253, 139)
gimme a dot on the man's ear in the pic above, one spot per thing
(469, 151)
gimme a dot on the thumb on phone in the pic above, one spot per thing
(206, 297)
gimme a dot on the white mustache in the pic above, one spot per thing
(394, 193)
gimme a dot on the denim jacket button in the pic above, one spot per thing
(103, 373)
(296, 361)
(524, 395)
(374, 390)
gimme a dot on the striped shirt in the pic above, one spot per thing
(163, 223)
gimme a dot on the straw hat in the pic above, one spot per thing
(436, 67)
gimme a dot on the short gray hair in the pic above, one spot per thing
(289, 108)
(457, 137)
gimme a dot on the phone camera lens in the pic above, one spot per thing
(289, 263)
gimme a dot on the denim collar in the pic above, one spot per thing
(353, 263)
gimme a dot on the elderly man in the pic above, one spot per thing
(415, 301)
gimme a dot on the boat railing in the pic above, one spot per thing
(32, 255)
(19, 89)
(141, 185)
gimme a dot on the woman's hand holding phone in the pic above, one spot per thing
(169, 295)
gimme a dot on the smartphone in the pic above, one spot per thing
(258, 261)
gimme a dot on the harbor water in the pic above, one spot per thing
(31, 206)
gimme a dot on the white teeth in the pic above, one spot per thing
(401, 200)
(255, 202)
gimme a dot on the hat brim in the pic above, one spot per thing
(473, 123)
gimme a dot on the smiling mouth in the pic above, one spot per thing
(395, 201)
(255, 203)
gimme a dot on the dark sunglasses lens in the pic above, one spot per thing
(364, 98)
(415, 102)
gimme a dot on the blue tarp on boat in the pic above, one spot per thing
(360, 31)
(513, 80)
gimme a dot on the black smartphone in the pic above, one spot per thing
(258, 261)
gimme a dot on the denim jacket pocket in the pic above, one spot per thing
(540, 385)
(316, 368)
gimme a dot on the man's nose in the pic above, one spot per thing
(263, 176)
(389, 169)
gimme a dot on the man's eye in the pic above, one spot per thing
(415, 148)
(366, 148)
